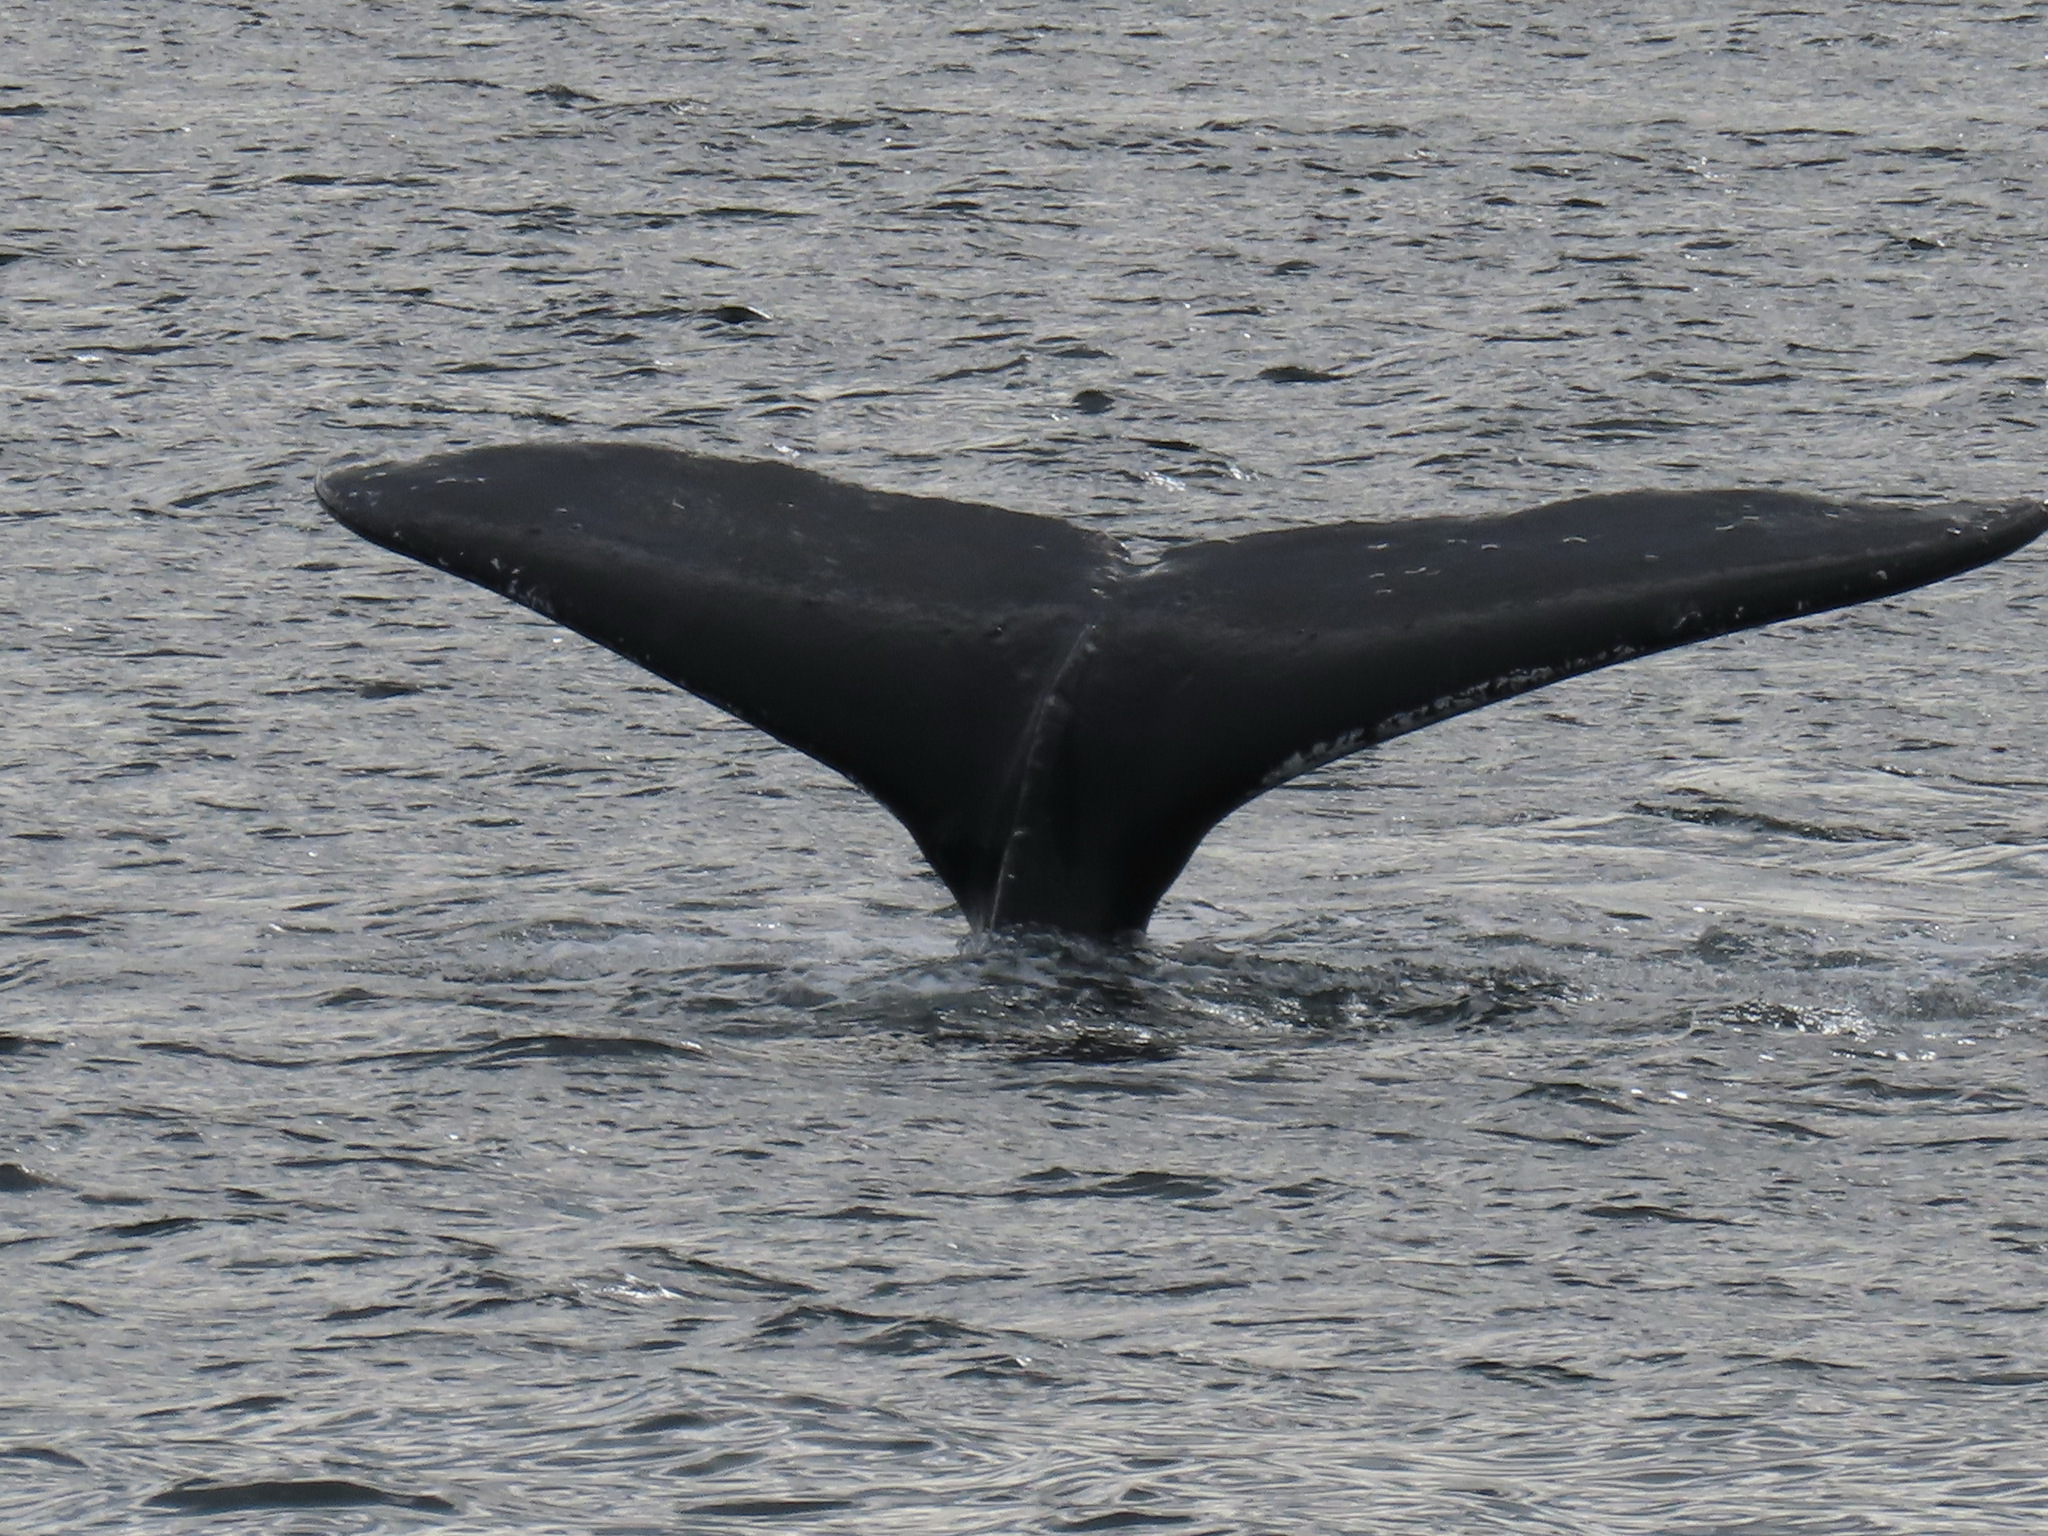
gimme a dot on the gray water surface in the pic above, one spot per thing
(454, 1082)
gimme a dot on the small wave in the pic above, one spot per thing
(16, 1180)
(770, 1509)
(1805, 1019)
(517, 1050)
(206, 1498)
(1713, 812)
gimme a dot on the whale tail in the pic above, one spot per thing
(1059, 726)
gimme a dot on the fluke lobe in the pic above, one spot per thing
(1058, 725)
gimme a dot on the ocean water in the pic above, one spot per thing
(452, 1082)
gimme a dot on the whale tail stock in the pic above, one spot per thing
(1059, 726)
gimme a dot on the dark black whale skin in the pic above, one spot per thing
(1060, 726)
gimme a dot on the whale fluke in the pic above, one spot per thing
(1059, 725)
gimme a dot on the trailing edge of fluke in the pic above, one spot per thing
(1059, 726)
